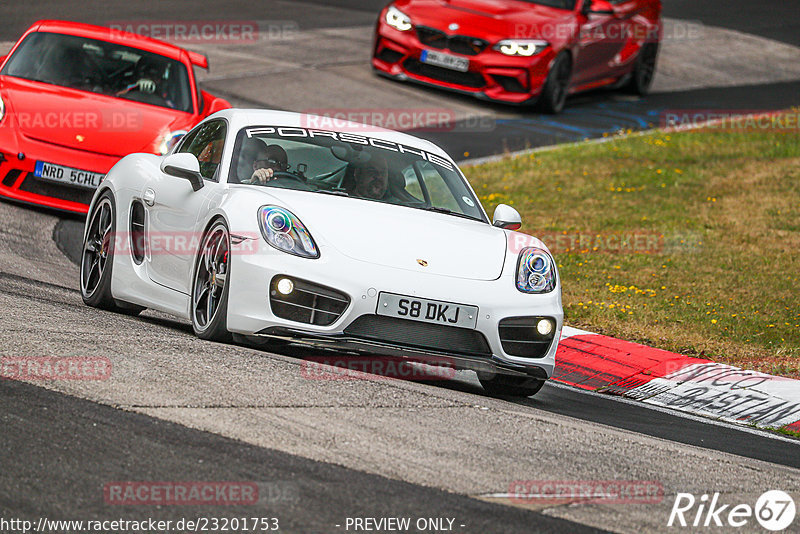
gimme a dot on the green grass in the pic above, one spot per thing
(722, 212)
(788, 432)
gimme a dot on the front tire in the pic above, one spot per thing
(556, 86)
(644, 70)
(510, 386)
(210, 285)
(97, 259)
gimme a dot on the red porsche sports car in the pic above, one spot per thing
(520, 51)
(76, 98)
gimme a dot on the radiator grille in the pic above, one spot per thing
(460, 44)
(32, 184)
(415, 334)
(468, 79)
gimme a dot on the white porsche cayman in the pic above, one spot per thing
(351, 237)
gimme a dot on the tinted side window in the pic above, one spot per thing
(206, 144)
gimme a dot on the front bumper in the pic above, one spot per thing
(250, 311)
(18, 157)
(491, 76)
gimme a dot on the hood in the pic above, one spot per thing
(84, 120)
(397, 236)
(488, 19)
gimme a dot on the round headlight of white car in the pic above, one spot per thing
(536, 271)
(285, 232)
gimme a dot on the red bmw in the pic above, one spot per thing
(520, 51)
(76, 98)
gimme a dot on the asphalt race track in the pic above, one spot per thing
(176, 408)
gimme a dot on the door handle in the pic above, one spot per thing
(149, 197)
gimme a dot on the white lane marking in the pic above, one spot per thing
(725, 392)
(676, 413)
(568, 331)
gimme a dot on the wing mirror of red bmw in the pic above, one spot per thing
(598, 7)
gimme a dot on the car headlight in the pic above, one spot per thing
(169, 140)
(536, 271)
(511, 47)
(285, 232)
(397, 19)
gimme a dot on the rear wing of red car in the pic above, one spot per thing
(198, 60)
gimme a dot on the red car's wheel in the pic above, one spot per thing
(644, 70)
(556, 87)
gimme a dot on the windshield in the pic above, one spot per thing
(101, 67)
(353, 165)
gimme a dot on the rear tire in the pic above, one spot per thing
(556, 86)
(210, 285)
(511, 386)
(644, 70)
(97, 259)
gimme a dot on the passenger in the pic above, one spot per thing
(371, 179)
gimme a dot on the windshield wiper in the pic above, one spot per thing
(337, 192)
(449, 212)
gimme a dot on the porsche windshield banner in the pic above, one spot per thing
(291, 132)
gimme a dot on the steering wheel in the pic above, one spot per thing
(284, 174)
(99, 67)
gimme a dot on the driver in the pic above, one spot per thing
(148, 74)
(372, 178)
(267, 160)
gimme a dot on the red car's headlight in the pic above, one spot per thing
(513, 47)
(397, 19)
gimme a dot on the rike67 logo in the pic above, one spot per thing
(774, 510)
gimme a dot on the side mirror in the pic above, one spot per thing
(506, 217)
(597, 7)
(3, 58)
(183, 165)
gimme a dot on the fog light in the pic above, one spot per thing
(544, 327)
(285, 286)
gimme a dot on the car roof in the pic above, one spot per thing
(241, 118)
(111, 35)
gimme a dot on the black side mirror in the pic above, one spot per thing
(183, 165)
